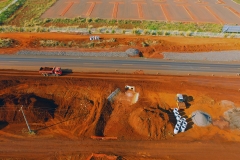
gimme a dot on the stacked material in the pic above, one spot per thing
(181, 122)
(201, 118)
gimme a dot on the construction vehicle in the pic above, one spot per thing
(50, 71)
(180, 101)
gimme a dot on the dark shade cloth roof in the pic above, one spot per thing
(231, 29)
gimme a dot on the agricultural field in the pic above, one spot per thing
(237, 1)
(4, 3)
(33, 13)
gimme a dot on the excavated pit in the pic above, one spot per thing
(78, 108)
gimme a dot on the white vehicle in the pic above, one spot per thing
(180, 101)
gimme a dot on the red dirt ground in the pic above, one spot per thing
(66, 111)
(157, 45)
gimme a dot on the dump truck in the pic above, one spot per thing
(50, 71)
(180, 101)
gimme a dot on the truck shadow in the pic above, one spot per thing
(66, 71)
(3, 124)
(187, 100)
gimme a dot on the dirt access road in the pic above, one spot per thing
(66, 111)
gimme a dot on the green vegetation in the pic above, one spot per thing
(6, 42)
(10, 11)
(4, 3)
(65, 44)
(237, 1)
(29, 14)
(130, 24)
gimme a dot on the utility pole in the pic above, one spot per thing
(26, 120)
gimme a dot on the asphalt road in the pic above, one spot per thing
(120, 65)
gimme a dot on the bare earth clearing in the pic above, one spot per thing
(67, 111)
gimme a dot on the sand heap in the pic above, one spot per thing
(233, 117)
(201, 118)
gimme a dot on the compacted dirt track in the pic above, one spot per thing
(65, 112)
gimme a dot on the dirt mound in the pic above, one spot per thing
(150, 122)
(233, 117)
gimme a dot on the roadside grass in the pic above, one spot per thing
(4, 3)
(131, 24)
(237, 1)
(5, 42)
(89, 44)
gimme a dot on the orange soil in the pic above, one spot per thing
(73, 108)
(65, 112)
(157, 45)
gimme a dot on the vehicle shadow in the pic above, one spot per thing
(187, 100)
(3, 124)
(66, 71)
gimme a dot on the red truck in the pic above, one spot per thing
(50, 71)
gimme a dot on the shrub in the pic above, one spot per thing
(144, 44)
(88, 20)
(188, 33)
(48, 43)
(6, 42)
(159, 32)
(136, 31)
(146, 32)
(167, 33)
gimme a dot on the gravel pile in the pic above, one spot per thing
(74, 53)
(132, 52)
(206, 56)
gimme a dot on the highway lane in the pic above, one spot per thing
(79, 64)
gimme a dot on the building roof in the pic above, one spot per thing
(231, 29)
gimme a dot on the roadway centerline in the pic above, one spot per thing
(204, 67)
(164, 65)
